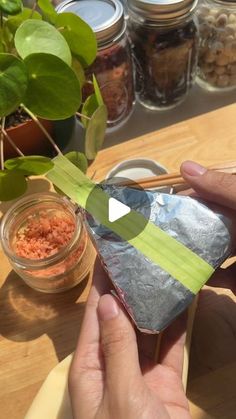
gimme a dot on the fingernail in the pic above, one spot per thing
(107, 308)
(193, 169)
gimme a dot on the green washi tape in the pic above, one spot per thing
(172, 256)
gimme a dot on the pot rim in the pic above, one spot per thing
(28, 122)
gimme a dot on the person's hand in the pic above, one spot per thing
(218, 188)
(110, 379)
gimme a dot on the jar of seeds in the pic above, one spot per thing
(217, 54)
(164, 38)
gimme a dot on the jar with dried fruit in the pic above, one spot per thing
(164, 37)
(217, 54)
(113, 65)
(46, 242)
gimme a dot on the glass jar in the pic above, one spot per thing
(217, 54)
(164, 39)
(113, 66)
(46, 242)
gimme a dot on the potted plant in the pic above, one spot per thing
(43, 58)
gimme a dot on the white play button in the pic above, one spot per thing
(117, 210)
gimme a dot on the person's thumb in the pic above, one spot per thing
(119, 346)
(214, 186)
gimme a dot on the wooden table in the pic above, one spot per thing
(38, 330)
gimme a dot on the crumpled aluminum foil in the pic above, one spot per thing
(152, 297)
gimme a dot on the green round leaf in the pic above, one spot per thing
(95, 132)
(80, 37)
(30, 165)
(53, 89)
(14, 22)
(35, 36)
(13, 83)
(12, 185)
(11, 7)
(48, 10)
(89, 107)
(78, 159)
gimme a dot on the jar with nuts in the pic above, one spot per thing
(217, 54)
(164, 38)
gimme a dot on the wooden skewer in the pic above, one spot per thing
(191, 315)
(175, 178)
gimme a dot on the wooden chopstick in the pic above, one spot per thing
(171, 179)
(155, 181)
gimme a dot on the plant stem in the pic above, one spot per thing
(1, 18)
(11, 142)
(36, 120)
(33, 9)
(2, 144)
(82, 116)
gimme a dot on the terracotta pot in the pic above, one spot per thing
(29, 138)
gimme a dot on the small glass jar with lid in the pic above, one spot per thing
(113, 66)
(164, 37)
(217, 53)
(46, 242)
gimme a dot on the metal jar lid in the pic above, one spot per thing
(229, 3)
(105, 17)
(162, 10)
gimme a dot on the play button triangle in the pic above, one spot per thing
(117, 210)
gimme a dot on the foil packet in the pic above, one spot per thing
(152, 297)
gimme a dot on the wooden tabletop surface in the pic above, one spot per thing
(39, 330)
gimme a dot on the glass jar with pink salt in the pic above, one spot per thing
(46, 242)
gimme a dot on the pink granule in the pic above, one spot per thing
(44, 235)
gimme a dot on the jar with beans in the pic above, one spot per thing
(217, 54)
(113, 65)
(164, 38)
